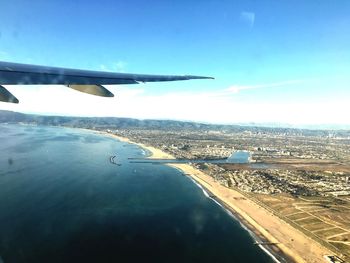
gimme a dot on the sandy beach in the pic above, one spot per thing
(293, 244)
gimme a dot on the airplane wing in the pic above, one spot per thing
(87, 81)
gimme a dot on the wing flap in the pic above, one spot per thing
(97, 90)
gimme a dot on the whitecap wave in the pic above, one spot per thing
(203, 190)
(269, 253)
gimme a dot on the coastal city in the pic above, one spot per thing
(291, 189)
(301, 165)
(303, 177)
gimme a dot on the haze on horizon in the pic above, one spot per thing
(273, 62)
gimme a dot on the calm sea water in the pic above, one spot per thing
(62, 201)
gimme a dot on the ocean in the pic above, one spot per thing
(61, 200)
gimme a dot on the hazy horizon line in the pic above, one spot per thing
(319, 126)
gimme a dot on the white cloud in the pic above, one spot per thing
(135, 101)
(237, 88)
(229, 109)
(248, 17)
(3, 55)
(103, 67)
(118, 66)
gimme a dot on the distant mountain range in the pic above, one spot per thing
(128, 123)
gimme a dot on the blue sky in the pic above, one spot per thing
(274, 61)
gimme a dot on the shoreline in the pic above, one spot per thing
(288, 242)
(277, 256)
(272, 251)
(293, 244)
(253, 224)
(284, 243)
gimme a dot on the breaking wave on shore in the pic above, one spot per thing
(256, 239)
